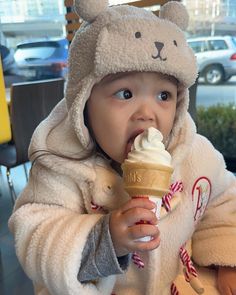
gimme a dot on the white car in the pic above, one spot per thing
(216, 57)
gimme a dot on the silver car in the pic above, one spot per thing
(216, 57)
(42, 59)
(8, 61)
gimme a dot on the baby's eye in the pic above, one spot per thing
(164, 95)
(124, 94)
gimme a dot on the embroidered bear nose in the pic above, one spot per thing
(159, 46)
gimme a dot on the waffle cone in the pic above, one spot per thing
(146, 179)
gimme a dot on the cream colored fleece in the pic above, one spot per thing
(53, 215)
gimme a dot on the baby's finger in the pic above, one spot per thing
(135, 215)
(143, 246)
(140, 202)
(148, 246)
(225, 290)
(142, 230)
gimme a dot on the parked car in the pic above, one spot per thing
(216, 57)
(8, 61)
(42, 59)
(9, 66)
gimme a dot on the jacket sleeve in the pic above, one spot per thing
(51, 228)
(99, 257)
(214, 241)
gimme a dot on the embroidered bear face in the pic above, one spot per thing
(126, 38)
(149, 44)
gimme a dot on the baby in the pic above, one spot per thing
(76, 229)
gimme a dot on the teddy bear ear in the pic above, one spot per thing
(88, 10)
(176, 13)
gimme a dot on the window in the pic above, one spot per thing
(234, 40)
(217, 45)
(198, 46)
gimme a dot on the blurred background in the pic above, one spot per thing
(34, 46)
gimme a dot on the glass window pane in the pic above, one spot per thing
(198, 46)
(217, 45)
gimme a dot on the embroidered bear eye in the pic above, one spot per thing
(175, 43)
(109, 187)
(137, 35)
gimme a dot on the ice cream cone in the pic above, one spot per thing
(147, 170)
(146, 178)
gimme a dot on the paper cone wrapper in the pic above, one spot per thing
(146, 179)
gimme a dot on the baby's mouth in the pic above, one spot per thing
(131, 141)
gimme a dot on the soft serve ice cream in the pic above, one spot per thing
(149, 148)
(147, 169)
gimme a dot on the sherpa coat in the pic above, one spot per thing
(53, 216)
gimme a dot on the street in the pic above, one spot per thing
(220, 94)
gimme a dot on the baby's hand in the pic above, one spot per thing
(227, 280)
(125, 228)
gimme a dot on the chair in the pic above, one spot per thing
(31, 102)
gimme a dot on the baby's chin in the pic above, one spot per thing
(117, 167)
(119, 159)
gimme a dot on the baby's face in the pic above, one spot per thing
(123, 105)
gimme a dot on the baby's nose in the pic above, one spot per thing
(145, 112)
